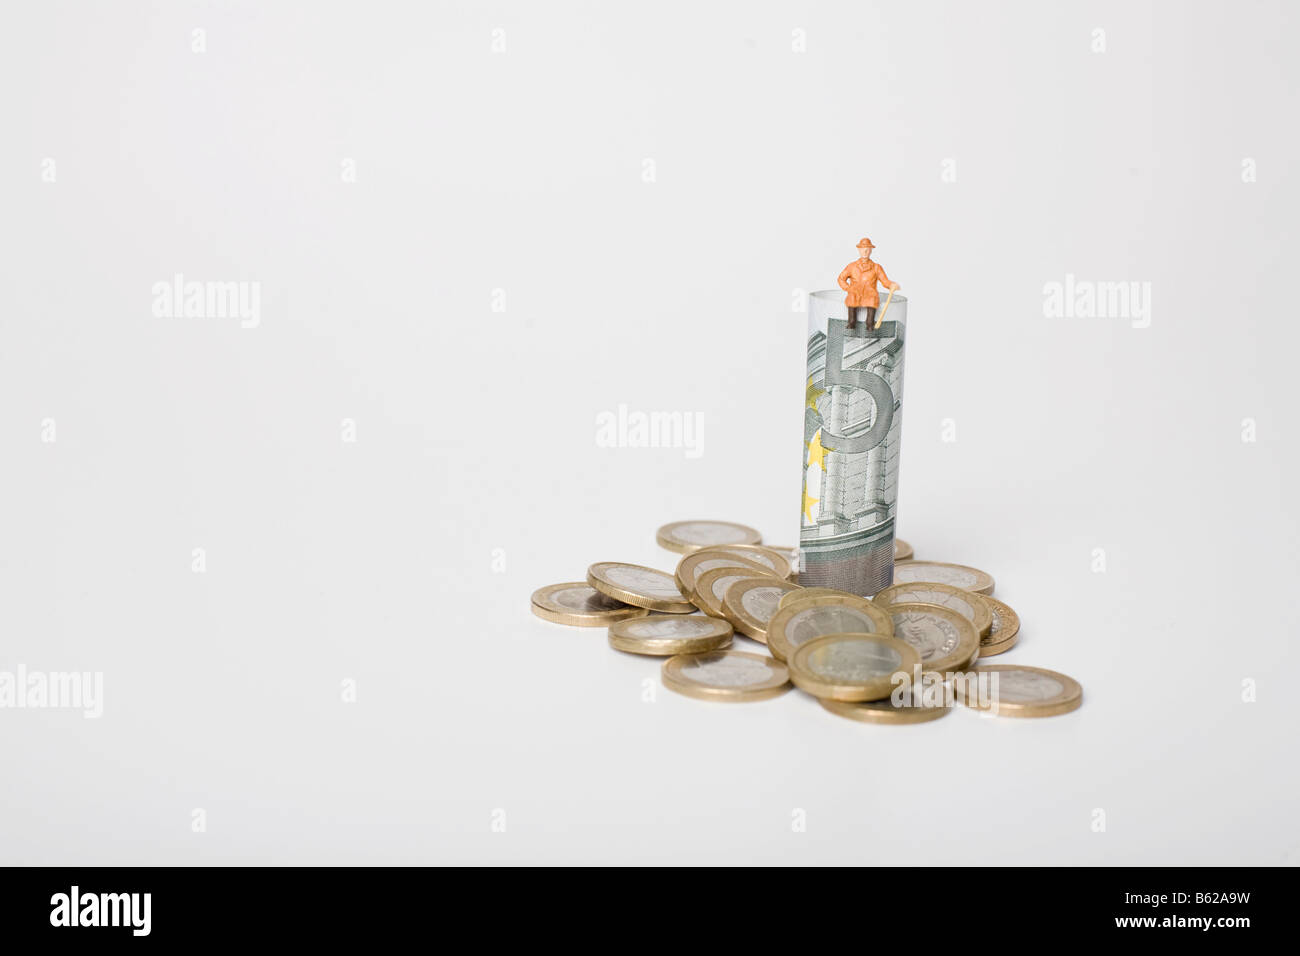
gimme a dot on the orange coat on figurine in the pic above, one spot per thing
(859, 280)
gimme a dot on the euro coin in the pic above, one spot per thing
(693, 565)
(902, 550)
(1013, 690)
(687, 536)
(798, 623)
(750, 604)
(937, 572)
(726, 676)
(711, 587)
(945, 640)
(885, 711)
(1005, 631)
(780, 563)
(579, 604)
(968, 604)
(852, 667)
(666, 635)
(641, 586)
(804, 593)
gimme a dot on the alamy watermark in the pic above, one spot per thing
(1088, 299)
(22, 689)
(625, 428)
(179, 299)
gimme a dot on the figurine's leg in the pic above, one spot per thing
(871, 316)
(853, 317)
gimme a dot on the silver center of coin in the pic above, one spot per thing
(816, 621)
(905, 573)
(760, 603)
(922, 595)
(643, 581)
(854, 661)
(758, 556)
(706, 532)
(931, 636)
(1025, 687)
(585, 599)
(997, 624)
(725, 581)
(727, 671)
(670, 627)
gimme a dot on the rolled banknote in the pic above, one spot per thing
(851, 436)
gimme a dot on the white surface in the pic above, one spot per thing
(373, 561)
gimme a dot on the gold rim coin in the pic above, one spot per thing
(711, 587)
(1005, 630)
(1020, 691)
(780, 563)
(944, 638)
(638, 585)
(885, 711)
(902, 550)
(939, 572)
(578, 604)
(726, 676)
(968, 604)
(663, 635)
(692, 566)
(852, 667)
(750, 604)
(804, 593)
(687, 536)
(799, 622)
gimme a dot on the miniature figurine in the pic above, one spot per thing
(859, 280)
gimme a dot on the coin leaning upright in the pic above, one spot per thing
(640, 586)
(970, 605)
(711, 588)
(668, 635)
(940, 572)
(1005, 631)
(1020, 692)
(800, 622)
(779, 562)
(852, 667)
(578, 604)
(687, 536)
(696, 563)
(902, 550)
(725, 676)
(750, 604)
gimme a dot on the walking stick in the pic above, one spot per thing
(884, 310)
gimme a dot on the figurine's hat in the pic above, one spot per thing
(866, 244)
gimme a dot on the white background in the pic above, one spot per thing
(523, 171)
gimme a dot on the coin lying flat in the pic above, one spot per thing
(711, 587)
(687, 536)
(693, 565)
(804, 593)
(726, 676)
(968, 604)
(780, 562)
(1019, 691)
(750, 604)
(938, 572)
(1005, 631)
(945, 640)
(666, 635)
(579, 604)
(885, 711)
(902, 550)
(852, 667)
(643, 587)
(799, 623)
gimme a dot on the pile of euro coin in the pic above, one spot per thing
(902, 656)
